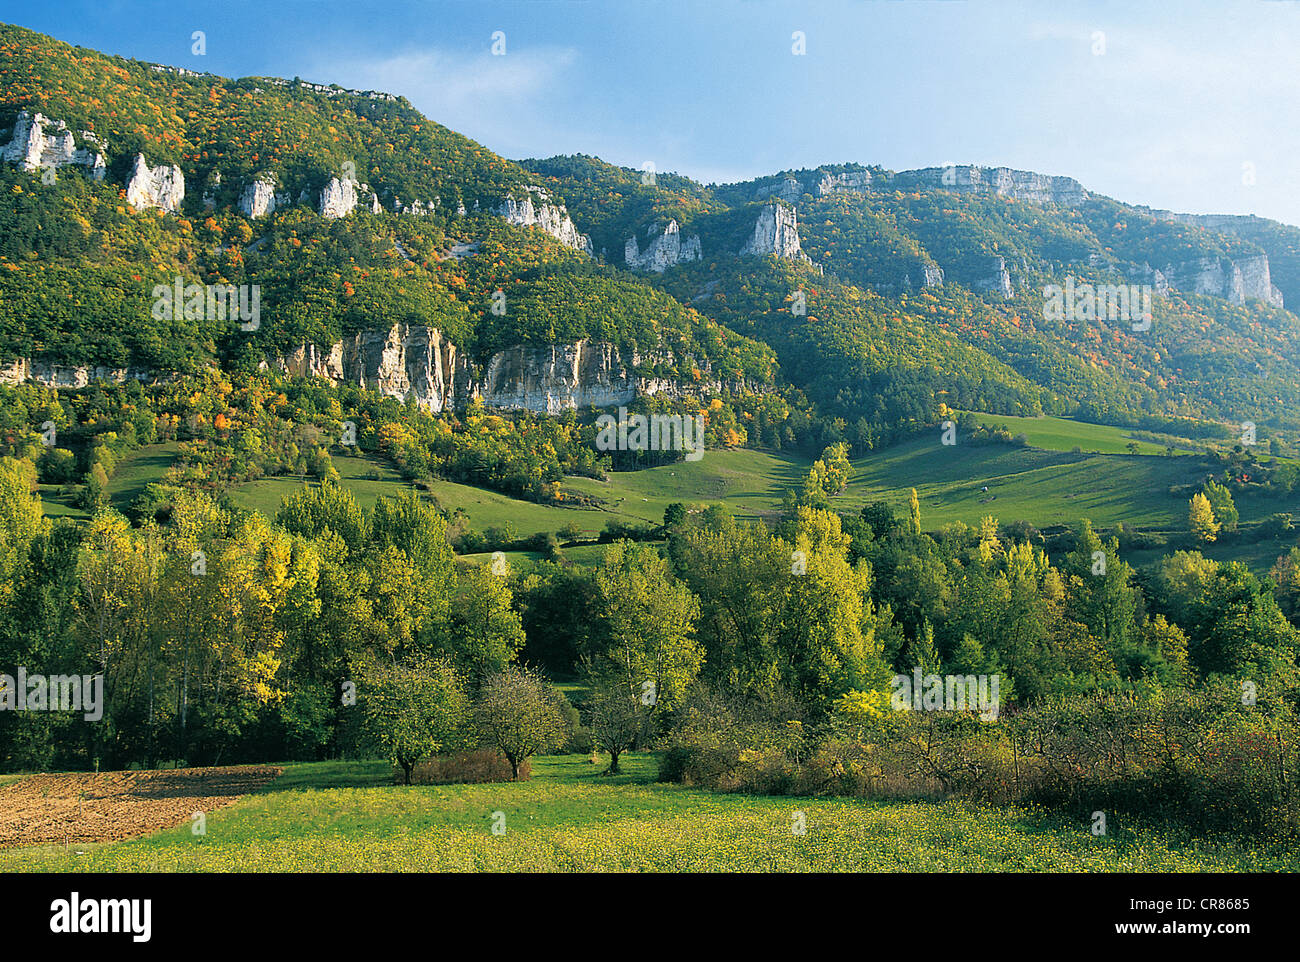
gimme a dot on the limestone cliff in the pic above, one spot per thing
(552, 218)
(418, 362)
(1233, 280)
(39, 142)
(1243, 277)
(664, 250)
(998, 278)
(851, 180)
(788, 189)
(162, 186)
(258, 198)
(1016, 184)
(776, 232)
(68, 376)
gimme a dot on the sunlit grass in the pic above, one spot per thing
(570, 817)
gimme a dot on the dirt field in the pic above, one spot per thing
(50, 809)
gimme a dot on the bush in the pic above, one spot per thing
(482, 765)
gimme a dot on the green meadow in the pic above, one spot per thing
(350, 817)
(1048, 482)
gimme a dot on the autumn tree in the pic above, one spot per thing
(1200, 517)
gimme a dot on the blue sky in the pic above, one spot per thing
(1187, 103)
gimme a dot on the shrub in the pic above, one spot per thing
(473, 767)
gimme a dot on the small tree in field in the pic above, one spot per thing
(1201, 519)
(615, 720)
(412, 710)
(519, 713)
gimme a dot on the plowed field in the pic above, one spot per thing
(50, 809)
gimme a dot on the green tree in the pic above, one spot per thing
(649, 623)
(1222, 506)
(614, 718)
(412, 709)
(518, 713)
(1200, 517)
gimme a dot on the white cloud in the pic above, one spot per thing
(490, 98)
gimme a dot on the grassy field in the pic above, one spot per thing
(751, 482)
(1044, 487)
(367, 478)
(136, 472)
(1044, 483)
(350, 817)
(1065, 434)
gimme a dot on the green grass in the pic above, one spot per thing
(522, 562)
(1044, 483)
(355, 473)
(349, 817)
(487, 509)
(1065, 434)
(1259, 557)
(142, 467)
(1044, 487)
(750, 482)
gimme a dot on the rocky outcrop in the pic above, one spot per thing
(258, 198)
(776, 232)
(551, 218)
(665, 250)
(998, 278)
(1232, 280)
(850, 180)
(1016, 184)
(342, 195)
(67, 375)
(1147, 275)
(162, 186)
(1243, 277)
(39, 142)
(414, 362)
(788, 189)
(405, 361)
(338, 198)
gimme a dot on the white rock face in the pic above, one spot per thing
(998, 278)
(665, 250)
(549, 217)
(417, 362)
(405, 361)
(789, 190)
(1234, 281)
(259, 197)
(849, 180)
(1016, 184)
(1149, 275)
(776, 232)
(67, 376)
(338, 198)
(162, 186)
(39, 142)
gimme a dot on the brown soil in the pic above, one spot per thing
(59, 809)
